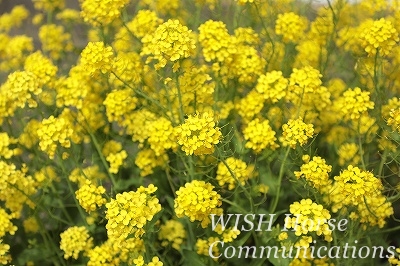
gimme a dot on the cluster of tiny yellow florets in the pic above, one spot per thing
(118, 103)
(394, 119)
(6, 225)
(96, 57)
(5, 141)
(197, 200)
(259, 135)
(90, 197)
(145, 22)
(170, 42)
(41, 67)
(147, 160)
(115, 155)
(357, 184)
(316, 172)
(353, 103)
(161, 136)
(101, 13)
(291, 26)
(250, 105)
(172, 233)
(203, 247)
(129, 212)
(272, 86)
(198, 134)
(216, 42)
(395, 260)
(380, 38)
(53, 131)
(232, 172)
(13, 19)
(74, 240)
(55, 40)
(309, 217)
(296, 132)
(348, 154)
(18, 91)
(4, 257)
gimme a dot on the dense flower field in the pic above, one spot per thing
(206, 132)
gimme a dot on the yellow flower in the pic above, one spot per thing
(259, 136)
(129, 212)
(380, 38)
(316, 172)
(90, 197)
(53, 131)
(96, 57)
(172, 232)
(198, 134)
(291, 26)
(296, 131)
(75, 240)
(232, 172)
(4, 249)
(170, 42)
(272, 86)
(55, 40)
(101, 13)
(197, 200)
(309, 216)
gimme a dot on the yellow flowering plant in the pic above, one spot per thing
(207, 132)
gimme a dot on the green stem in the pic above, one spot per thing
(278, 192)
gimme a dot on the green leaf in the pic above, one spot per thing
(191, 258)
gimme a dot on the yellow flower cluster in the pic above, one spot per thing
(232, 172)
(17, 92)
(198, 134)
(5, 141)
(228, 234)
(13, 51)
(129, 212)
(197, 200)
(395, 260)
(147, 160)
(259, 136)
(309, 217)
(216, 42)
(394, 119)
(74, 240)
(161, 136)
(55, 40)
(52, 131)
(203, 247)
(101, 13)
(6, 225)
(16, 188)
(291, 26)
(250, 105)
(272, 86)
(355, 184)
(145, 22)
(296, 132)
(118, 103)
(316, 172)
(170, 42)
(13, 19)
(4, 257)
(96, 57)
(172, 232)
(127, 68)
(115, 155)
(353, 103)
(90, 197)
(348, 154)
(380, 38)
(41, 67)
(48, 5)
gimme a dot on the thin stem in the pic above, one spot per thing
(278, 192)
